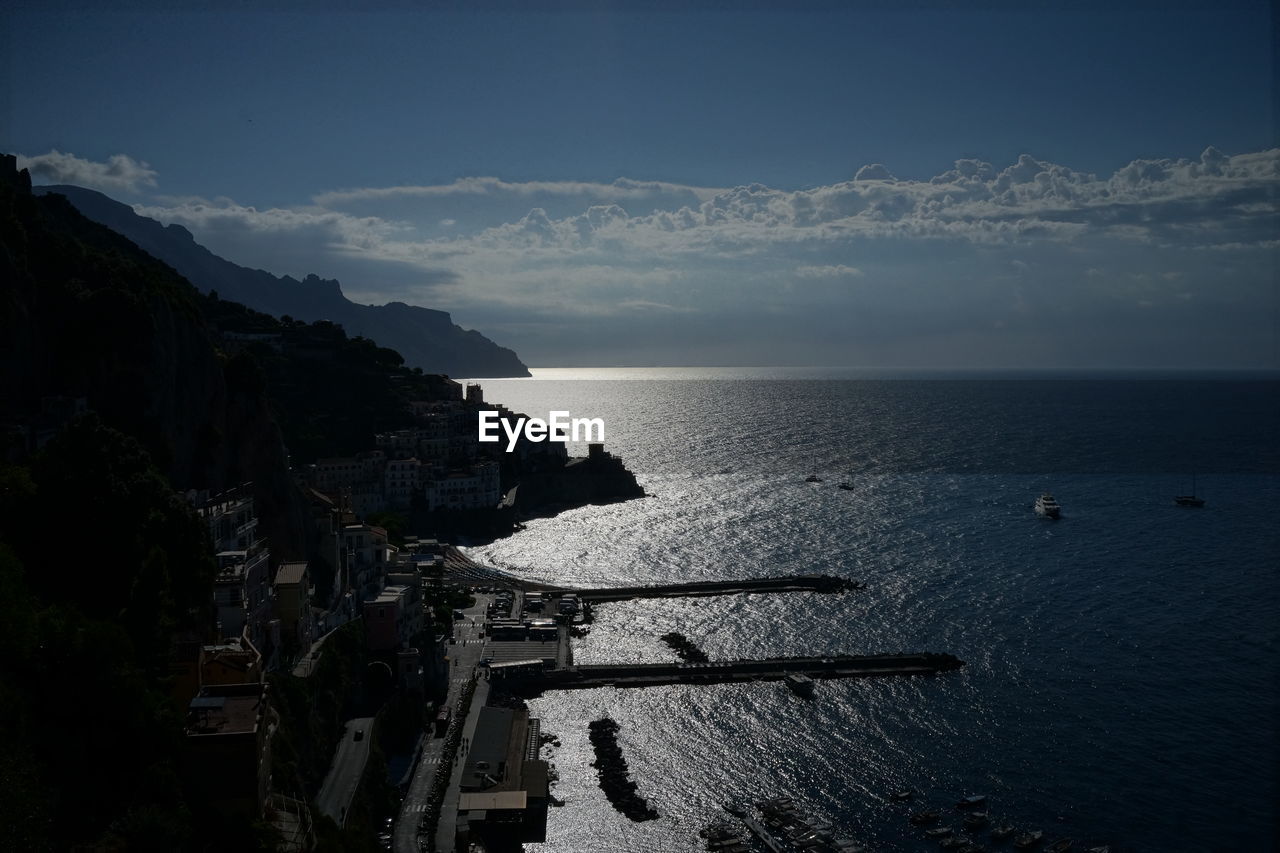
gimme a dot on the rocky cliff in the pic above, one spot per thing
(427, 338)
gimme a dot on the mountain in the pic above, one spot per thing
(427, 338)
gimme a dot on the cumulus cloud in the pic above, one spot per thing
(120, 172)
(977, 246)
(1184, 203)
(874, 172)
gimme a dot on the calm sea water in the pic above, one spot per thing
(1121, 684)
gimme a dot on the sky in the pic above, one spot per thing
(998, 184)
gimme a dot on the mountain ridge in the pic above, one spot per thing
(426, 337)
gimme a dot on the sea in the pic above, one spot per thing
(1121, 683)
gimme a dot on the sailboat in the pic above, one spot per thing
(1191, 499)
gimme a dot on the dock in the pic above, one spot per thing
(786, 583)
(739, 671)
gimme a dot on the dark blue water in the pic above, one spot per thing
(1121, 684)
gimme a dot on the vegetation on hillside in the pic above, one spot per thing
(330, 393)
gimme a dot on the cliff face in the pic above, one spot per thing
(86, 314)
(425, 337)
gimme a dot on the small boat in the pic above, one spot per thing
(925, 818)
(1047, 506)
(848, 487)
(813, 478)
(735, 809)
(939, 832)
(972, 801)
(1062, 845)
(1191, 499)
(902, 796)
(975, 820)
(800, 684)
(1103, 849)
(953, 842)
(1000, 833)
(1027, 840)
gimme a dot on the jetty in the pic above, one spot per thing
(786, 583)
(533, 680)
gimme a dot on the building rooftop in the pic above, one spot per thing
(492, 800)
(489, 747)
(226, 711)
(290, 573)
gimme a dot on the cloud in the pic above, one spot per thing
(621, 189)
(369, 252)
(120, 172)
(828, 271)
(874, 172)
(940, 262)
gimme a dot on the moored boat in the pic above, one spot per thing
(972, 801)
(1027, 840)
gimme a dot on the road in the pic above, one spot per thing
(344, 773)
(464, 656)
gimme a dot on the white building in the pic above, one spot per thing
(401, 481)
(478, 487)
(368, 556)
(242, 592)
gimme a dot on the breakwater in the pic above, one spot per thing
(788, 583)
(722, 672)
(615, 778)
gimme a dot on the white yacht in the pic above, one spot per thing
(1047, 506)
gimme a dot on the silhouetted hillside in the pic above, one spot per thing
(112, 394)
(426, 338)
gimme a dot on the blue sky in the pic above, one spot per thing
(667, 183)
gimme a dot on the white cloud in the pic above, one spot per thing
(975, 247)
(828, 271)
(623, 188)
(874, 172)
(120, 172)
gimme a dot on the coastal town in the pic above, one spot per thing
(417, 606)
(477, 773)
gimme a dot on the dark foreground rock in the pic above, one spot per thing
(614, 779)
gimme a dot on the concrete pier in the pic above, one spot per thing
(788, 583)
(723, 672)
